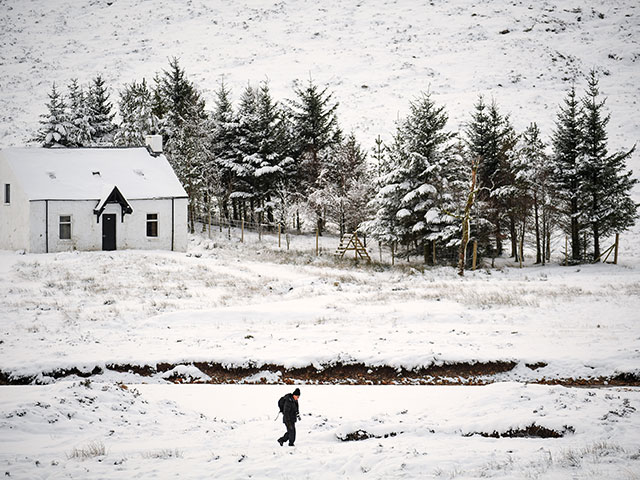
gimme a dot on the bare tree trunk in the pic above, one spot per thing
(466, 220)
(537, 220)
(513, 231)
(596, 241)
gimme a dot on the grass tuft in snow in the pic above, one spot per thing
(163, 454)
(92, 450)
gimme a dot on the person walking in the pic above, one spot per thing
(290, 414)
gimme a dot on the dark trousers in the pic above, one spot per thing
(290, 436)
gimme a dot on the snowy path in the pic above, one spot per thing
(191, 431)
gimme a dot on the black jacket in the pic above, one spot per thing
(290, 409)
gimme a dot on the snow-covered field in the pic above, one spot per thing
(251, 303)
(70, 430)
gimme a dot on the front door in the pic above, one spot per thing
(109, 231)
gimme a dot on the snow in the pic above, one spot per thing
(252, 303)
(190, 431)
(376, 56)
(87, 173)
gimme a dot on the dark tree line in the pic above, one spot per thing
(289, 162)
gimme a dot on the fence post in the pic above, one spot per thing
(615, 252)
(242, 230)
(566, 250)
(279, 230)
(317, 241)
(393, 253)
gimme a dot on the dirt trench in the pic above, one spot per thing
(481, 373)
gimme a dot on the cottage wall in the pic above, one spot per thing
(86, 232)
(14, 232)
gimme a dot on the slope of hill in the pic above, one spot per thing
(376, 56)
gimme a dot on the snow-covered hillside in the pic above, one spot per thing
(375, 55)
(134, 322)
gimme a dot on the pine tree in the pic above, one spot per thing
(189, 157)
(183, 122)
(316, 131)
(137, 119)
(247, 146)
(490, 140)
(271, 160)
(605, 186)
(346, 185)
(81, 132)
(385, 205)
(534, 174)
(55, 123)
(412, 205)
(223, 147)
(427, 151)
(566, 182)
(175, 99)
(100, 115)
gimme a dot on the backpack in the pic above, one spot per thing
(281, 404)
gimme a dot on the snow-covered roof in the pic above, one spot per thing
(84, 173)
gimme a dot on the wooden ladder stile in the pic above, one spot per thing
(351, 242)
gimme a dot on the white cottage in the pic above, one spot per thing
(54, 200)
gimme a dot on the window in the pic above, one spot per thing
(65, 227)
(7, 193)
(152, 224)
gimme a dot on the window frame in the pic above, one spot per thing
(65, 223)
(152, 225)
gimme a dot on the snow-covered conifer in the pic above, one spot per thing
(136, 117)
(490, 140)
(316, 131)
(566, 178)
(55, 128)
(605, 183)
(534, 173)
(100, 116)
(80, 132)
(415, 195)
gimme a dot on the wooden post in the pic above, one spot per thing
(355, 245)
(566, 250)
(242, 230)
(317, 241)
(475, 255)
(393, 253)
(615, 252)
(279, 244)
(380, 250)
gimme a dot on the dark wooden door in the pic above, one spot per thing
(109, 232)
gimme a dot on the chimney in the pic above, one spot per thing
(154, 144)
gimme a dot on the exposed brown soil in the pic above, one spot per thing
(532, 431)
(351, 374)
